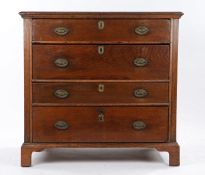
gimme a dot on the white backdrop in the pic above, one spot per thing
(191, 79)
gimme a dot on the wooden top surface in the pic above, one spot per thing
(95, 15)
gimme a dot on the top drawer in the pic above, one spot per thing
(108, 30)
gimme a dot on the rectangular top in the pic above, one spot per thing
(96, 15)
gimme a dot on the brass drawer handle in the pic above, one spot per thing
(101, 117)
(139, 125)
(101, 88)
(61, 31)
(140, 93)
(140, 62)
(61, 62)
(61, 93)
(61, 125)
(101, 25)
(101, 50)
(141, 30)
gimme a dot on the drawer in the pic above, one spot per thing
(100, 124)
(100, 93)
(135, 62)
(105, 30)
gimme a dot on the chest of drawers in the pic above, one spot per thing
(103, 80)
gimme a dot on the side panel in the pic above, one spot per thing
(27, 80)
(173, 79)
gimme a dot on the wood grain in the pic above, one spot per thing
(87, 69)
(117, 62)
(173, 77)
(84, 124)
(114, 30)
(88, 93)
(27, 80)
(99, 15)
(172, 148)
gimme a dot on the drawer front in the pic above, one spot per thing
(136, 62)
(98, 93)
(105, 30)
(97, 124)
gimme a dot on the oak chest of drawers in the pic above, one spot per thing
(100, 80)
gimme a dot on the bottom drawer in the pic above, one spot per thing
(100, 124)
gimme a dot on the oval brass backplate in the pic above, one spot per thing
(140, 62)
(61, 93)
(61, 31)
(141, 30)
(61, 62)
(61, 125)
(140, 93)
(139, 125)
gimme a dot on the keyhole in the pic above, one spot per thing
(101, 117)
(100, 50)
(101, 88)
(101, 25)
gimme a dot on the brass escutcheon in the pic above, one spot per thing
(100, 50)
(101, 88)
(101, 25)
(101, 117)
